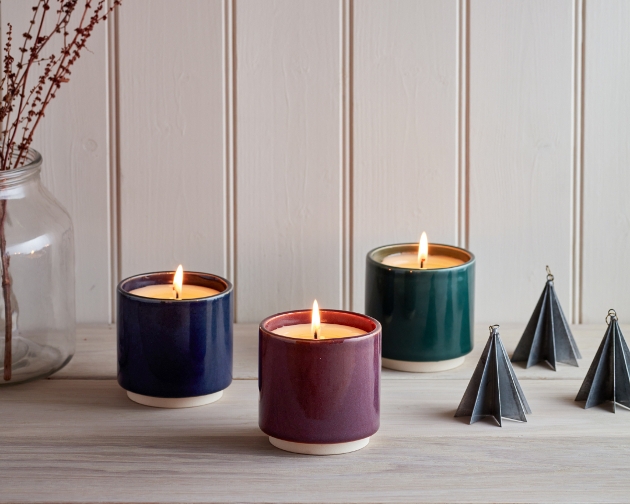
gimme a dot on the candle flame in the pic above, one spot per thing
(315, 325)
(423, 249)
(178, 280)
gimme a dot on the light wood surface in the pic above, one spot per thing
(95, 357)
(81, 439)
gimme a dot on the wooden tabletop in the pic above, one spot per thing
(76, 437)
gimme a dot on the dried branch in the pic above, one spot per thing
(23, 104)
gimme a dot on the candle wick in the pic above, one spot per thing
(315, 335)
(422, 263)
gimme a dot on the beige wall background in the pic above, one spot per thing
(275, 142)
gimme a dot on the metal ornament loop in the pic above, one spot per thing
(493, 328)
(549, 275)
(612, 315)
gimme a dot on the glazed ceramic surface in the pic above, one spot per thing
(319, 391)
(175, 348)
(426, 315)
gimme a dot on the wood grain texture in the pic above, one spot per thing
(85, 441)
(172, 173)
(73, 141)
(96, 355)
(288, 156)
(520, 100)
(405, 126)
(606, 226)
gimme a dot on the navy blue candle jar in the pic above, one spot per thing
(175, 353)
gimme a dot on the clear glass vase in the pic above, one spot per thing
(39, 251)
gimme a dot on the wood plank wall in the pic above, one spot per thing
(277, 141)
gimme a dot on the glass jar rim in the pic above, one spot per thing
(33, 159)
(31, 167)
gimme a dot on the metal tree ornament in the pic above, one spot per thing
(30, 80)
(608, 378)
(494, 390)
(547, 336)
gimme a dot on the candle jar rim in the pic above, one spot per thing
(227, 286)
(396, 248)
(324, 316)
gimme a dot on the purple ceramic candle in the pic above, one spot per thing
(319, 396)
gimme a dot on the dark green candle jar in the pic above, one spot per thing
(426, 314)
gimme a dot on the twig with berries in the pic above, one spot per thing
(23, 104)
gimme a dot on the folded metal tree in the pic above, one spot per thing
(494, 390)
(608, 378)
(547, 336)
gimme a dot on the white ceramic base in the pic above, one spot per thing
(422, 367)
(319, 449)
(174, 402)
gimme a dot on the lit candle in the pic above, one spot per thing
(176, 290)
(174, 338)
(319, 380)
(317, 330)
(423, 296)
(421, 260)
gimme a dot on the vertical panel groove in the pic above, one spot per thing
(605, 219)
(229, 136)
(521, 151)
(114, 160)
(234, 105)
(172, 127)
(578, 164)
(289, 167)
(347, 152)
(467, 128)
(463, 84)
(406, 127)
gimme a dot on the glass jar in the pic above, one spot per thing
(40, 252)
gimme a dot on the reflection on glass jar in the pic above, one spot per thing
(40, 249)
